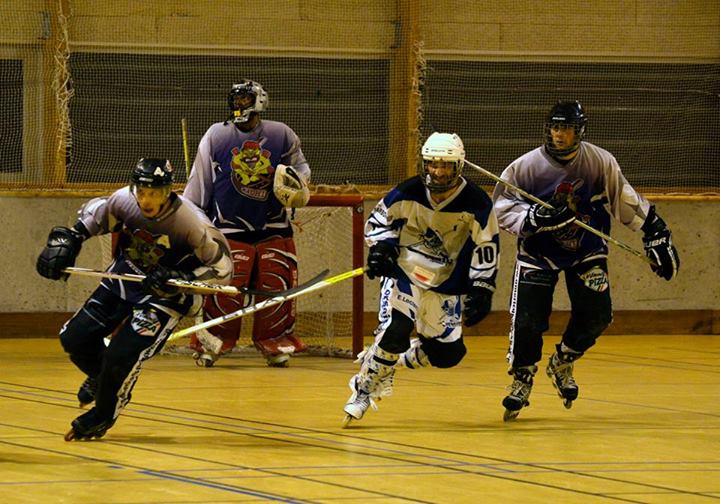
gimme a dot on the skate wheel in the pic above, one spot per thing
(70, 435)
(567, 403)
(346, 421)
(510, 415)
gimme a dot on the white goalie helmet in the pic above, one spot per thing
(242, 89)
(443, 147)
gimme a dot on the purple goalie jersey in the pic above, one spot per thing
(233, 172)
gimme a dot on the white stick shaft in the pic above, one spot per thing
(265, 304)
(578, 223)
(198, 287)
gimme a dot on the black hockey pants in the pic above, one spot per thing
(531, 305)
(141, 332)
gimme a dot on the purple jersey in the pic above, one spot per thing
(182, 238)
(591, 184)
(232, 177)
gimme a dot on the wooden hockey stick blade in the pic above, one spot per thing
(278, 298)
(535, 199)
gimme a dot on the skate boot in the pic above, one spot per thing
(560, 371)
(86, 392)
(88, 426)
(414, 357)
(205, 358)
(519, 391)
(280, 360)
(372, 383)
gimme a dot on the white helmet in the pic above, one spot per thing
(443, 147)
(247, 87)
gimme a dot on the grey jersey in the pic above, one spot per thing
(182, 238)
(591, 184)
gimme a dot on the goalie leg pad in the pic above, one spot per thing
(273, 329)
(217, 305)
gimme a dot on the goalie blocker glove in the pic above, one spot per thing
(63, 247)
(477, 302)
(382, 260)
(290, 188)
(658, 245)
(155, 282)
(541, 219)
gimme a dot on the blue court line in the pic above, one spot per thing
(219, 486)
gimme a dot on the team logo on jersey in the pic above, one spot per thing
(430, 245)
(595, 279)
(145, 322)
(252, 172)
(569, 237)
(143, 248)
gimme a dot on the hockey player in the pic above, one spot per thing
(162, 236)
(434, 242)
(247, 172)
(582, 182)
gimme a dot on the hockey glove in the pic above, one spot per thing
(477, 303)
(155, 282)
(659, 247)
(540, 219)
(63, 246)
(382, 260)
(290, 188)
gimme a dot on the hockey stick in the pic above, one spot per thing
(199, 287)
(186, 149)
(311, 286)
(578, 223)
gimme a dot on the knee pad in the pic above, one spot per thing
(396, 337)
(443, 355)
(276, 270)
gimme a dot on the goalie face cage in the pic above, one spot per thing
(328, 234)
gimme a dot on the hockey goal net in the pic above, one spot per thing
(328, 235)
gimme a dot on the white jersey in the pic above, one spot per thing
(182, 238)
(445, 246)
(591, 184)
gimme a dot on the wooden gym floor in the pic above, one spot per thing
(646, 429)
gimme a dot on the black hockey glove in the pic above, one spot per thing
(659, 247)
(477, 303)
(382, 260)
(540, 219)
(63, 246)
(155, 282)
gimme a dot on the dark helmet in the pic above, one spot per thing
(244, 88)
(566, 113)
(152, 172)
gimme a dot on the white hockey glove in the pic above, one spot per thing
(290, 187)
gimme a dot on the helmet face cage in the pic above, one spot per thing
(567, 114)
(247, 88)
(442, 147)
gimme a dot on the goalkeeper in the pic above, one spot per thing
(582, 182)
(163, 237)
(246, 173)
(434, 244)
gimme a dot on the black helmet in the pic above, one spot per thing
(153, 172)
(568, 113)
